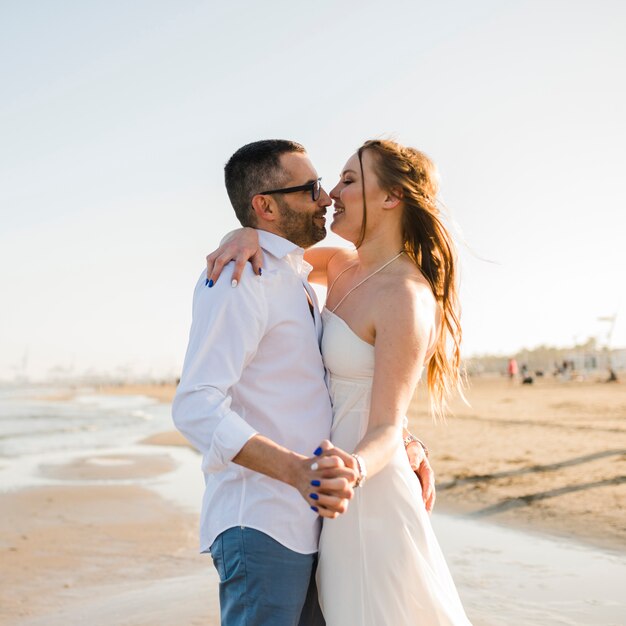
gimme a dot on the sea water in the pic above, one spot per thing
(38, 431)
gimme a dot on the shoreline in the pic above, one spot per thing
(536, 459)
(105, 533)
(122, 553)
(590, 541)
(109, 535)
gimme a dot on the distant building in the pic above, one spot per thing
(585, 359)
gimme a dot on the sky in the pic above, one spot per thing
(116, 120)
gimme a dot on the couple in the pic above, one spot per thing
(254, 392)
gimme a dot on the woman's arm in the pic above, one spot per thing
(320, 259)
(242, 245)
(403, 319)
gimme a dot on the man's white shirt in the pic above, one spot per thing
(253, 365)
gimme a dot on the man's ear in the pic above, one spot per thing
(393, 198)
(264, 208)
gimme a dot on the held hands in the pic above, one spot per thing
(242, 246)
(326, 480)
(417, 459)
(421, 466)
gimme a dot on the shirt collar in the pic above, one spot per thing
(282, 248)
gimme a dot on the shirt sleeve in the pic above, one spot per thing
(227, 326)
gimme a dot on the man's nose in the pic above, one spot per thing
(324, 199)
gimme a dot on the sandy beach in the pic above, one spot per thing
(549, 456)
(95, 538)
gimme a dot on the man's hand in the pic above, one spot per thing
(421, 466)
(241, 246)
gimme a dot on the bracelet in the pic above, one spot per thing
(413, 439)
(362, 470)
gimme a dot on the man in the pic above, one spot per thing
(253, 400)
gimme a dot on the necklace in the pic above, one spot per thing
(380, 269)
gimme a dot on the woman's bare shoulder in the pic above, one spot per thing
(407, 294)
(408, 282)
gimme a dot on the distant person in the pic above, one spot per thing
(527, 378)
(512, 368)
(391, 310)
(253, 399)
(567, 369)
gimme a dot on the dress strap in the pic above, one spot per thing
(380, 269)
(343, 271)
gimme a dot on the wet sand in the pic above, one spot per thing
(99, 546)
(101, 529)
(102, 553)
(108, 553)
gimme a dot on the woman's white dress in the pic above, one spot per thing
(380, 563)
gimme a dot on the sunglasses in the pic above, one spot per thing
(315, 187)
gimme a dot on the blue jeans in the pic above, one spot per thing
(262, 583)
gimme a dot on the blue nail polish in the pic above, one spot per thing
(260, 271)
(206, 282)
(314, 496)
(314, 508)
(211, 283)
(316, 483)
(318, 452)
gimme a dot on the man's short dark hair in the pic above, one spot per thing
(254, 168)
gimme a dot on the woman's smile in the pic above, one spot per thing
(338, 210)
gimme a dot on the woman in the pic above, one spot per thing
(391, 308)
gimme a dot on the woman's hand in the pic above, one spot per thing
(421, 466)
(328, 481)
(241, 246)
(327, 449)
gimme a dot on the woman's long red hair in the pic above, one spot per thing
(429, 245)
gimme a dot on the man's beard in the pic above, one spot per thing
(299, 228)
